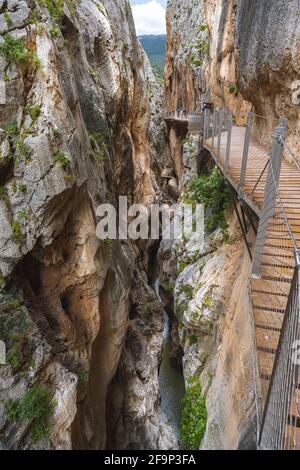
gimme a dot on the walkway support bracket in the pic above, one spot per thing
(206, 123)
(241, 220)
(246, 149)
(221, 119)
(214, 131)
(228, 145)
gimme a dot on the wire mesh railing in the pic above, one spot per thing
(280, 424)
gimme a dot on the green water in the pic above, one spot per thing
(171, 382)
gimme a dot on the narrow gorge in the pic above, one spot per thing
(122, 344)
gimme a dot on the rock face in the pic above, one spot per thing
(136, 421)
(211, 299)
(187, 48)
(268, 61)
(212, 313)
(81, 124)
(242, 54)
(184, 75)
(254, 62)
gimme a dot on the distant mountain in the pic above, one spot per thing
(155, 47)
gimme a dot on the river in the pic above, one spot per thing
(171, 382)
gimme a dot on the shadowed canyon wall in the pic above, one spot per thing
(82, 124)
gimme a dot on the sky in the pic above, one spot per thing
(149, 16)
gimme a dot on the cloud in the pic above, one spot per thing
(149, 18)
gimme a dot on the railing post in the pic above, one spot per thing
(207, 116)
(205, 124)
(246, 149)
(228, 145)
(225, 120)
(269, 203)
(221, 117)
(214, 131)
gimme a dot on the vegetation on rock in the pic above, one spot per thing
(17, 235)
(193, 417)
(35, 407)
(61, 159)
(14, 51)
(211, 191)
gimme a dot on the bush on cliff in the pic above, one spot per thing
(193, 417)
(211, 191)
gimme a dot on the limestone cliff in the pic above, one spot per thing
(81, 123)
(211, 324)
(267, 37)
(242, 55)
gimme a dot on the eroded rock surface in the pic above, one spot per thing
(82, 123)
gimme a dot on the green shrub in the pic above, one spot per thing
(23, 188)
(23, 215)
(202, 47)
(3, 193)
(61, 159)
(11, 301)
(211, 191)
(193, 417)
(127, 8)
(107, 245)
(55, 8)
(15, 355)
(124, 47)
(180, 309)
(92, 73)
(169, 287)
(35, 112)
(14, 51)
(193, 339)
(17, 235)
(2, 281)
(21, 150)
(82, 376)
(181, 267)
(187, 291)
(7, 18)
(12, 129)
(54, 32)
(96, 138)
(35, 407)
(56, 133)
(233, 89)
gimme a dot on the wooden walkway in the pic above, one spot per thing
(270, 292)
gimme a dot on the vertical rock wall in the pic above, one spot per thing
(82, 123)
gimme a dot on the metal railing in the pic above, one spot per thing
(241, 152)
(280, 425)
